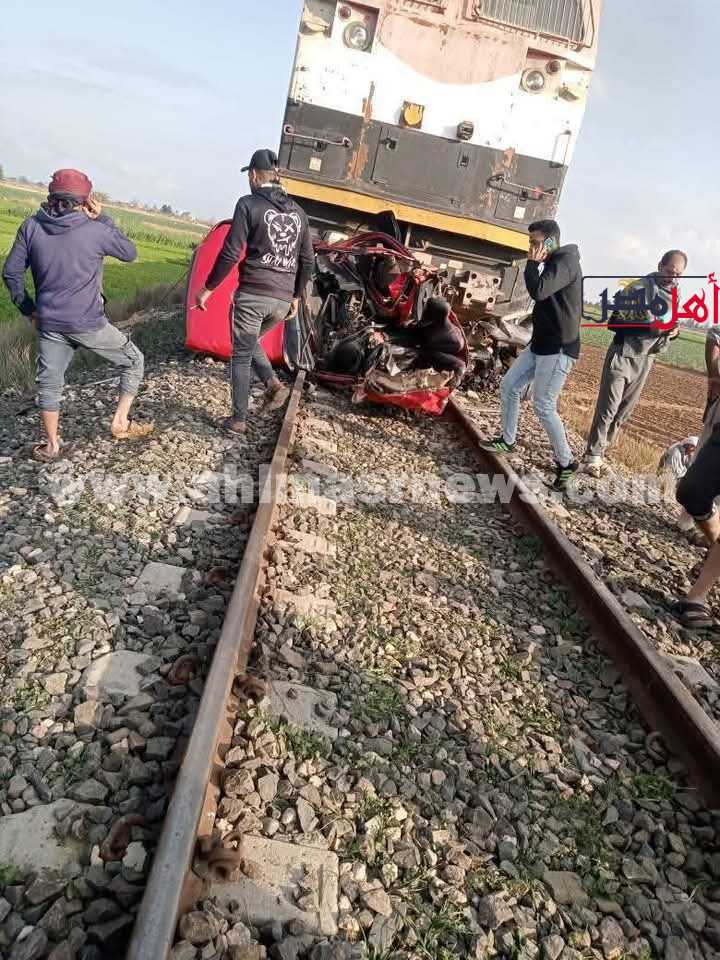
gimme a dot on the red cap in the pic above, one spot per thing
(70, 181)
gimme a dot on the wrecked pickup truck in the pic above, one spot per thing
(376, 321)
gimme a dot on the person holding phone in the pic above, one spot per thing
(64, 244)
(554, 281)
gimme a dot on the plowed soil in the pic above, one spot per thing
(672, 403)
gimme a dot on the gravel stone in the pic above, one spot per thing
(31, 947)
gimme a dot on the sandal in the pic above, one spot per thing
(134, 431)
(276, 400)
(693, 615)
(43, 455)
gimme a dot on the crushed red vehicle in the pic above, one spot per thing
(377, 322)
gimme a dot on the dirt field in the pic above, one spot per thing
(671, 407)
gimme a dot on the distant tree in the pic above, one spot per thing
(23, 180)
(2, 172)
(166, 208)
(101, 197)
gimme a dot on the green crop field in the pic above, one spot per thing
(687, 351)
(164, 245)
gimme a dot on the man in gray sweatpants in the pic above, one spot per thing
(63, 244)
(630, 358)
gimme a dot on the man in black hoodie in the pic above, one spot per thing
(270, 238)
(554, 281)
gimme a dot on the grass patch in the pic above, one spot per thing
(372, 819)
(304, 745)
(17, 356)
(397, 647)
(9, 875)
(586, 830)
(405, 753)
(510, 669)
(32, 695)
(648, 786)
(77, 768)
(569, 620)
(529, 548)
(488, 879)
(442, 935)
(372, 805)
(539, 717)
(120, 312)
(380, 704)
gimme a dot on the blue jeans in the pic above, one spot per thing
(252, 318)
(548, 375)
(55, 351)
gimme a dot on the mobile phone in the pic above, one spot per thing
(550, 245)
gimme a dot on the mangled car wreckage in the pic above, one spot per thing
(377, 321)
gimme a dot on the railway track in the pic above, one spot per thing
(629, 535)
(412, 742)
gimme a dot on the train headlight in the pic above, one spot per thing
(357, 36)
(533, 81)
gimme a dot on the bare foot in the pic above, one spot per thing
(131, 430)
(234, 425)
(46, 452)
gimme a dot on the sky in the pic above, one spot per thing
(164, 103)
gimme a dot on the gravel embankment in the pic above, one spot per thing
(631, 540)
(485, 782)
(101, 675)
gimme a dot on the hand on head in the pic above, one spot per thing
(92, 208)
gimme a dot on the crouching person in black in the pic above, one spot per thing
(441, 343)
(696, 492)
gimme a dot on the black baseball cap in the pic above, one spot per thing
(262, 160)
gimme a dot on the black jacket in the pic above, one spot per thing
(557, 293)
(436, 333)
(271, 236)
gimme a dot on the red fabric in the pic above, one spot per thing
(209, 331)
(426, 401)
(70, 181)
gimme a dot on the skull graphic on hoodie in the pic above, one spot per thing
(284, 231)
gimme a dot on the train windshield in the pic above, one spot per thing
(559, 18)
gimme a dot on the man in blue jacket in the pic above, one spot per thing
(63, 244)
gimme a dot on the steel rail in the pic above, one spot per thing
(159, 912)
(662, 699)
